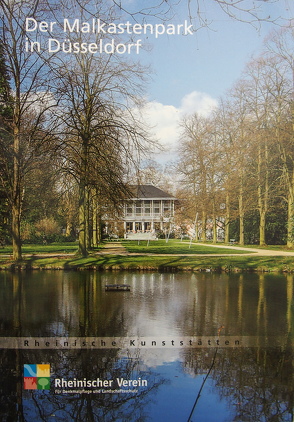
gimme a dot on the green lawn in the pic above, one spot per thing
(174, 246)
(271, 247)
(63, 256)
(155, 263)
(66, 247)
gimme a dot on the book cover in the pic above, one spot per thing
(146, 210)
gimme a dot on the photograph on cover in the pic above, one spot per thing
(146, 210)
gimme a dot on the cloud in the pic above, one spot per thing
(163, 120)
(198, 102)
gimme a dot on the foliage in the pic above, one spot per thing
(46, 227)
(44, 232)
(251, 226)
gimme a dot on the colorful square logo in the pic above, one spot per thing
(36, 376)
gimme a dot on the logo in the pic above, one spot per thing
(36, 376)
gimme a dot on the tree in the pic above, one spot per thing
(30, 101)
(199, 165)
(259, 97)
(280, 48)
(239, 157)
(101, 136)
(6, 113)
(30, 82)
(247, 11)
(226, 129)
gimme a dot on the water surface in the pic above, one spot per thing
(250, 382)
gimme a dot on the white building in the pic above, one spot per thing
(149, 210)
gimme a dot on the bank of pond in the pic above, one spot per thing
(276, 264)
(162, 256)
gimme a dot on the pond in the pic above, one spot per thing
(176, 347)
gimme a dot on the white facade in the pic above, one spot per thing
(150, 211)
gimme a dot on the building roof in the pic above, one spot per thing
(150, 192)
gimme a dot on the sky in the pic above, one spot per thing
(191, 73)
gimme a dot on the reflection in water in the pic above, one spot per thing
(245, 384)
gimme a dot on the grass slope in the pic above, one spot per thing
(63, 256)
(174, 247)
(155, 263)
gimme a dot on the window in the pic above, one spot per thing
(147, 208)
(129, 209)
(138, 226)
(129, 227)
(166, 206)
(138, 208)
(156, 207)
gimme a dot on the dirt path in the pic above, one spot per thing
(255, 251)
(113, 248)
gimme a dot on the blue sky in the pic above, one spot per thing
(190, 73)
(210, 60)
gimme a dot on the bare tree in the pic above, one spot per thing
(226, 129)
(259, 97)
(200, 12)
(280, 51)
(30, 101)
(101, 136)
(200, 155)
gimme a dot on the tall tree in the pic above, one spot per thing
(98, 95)
(6, 113)
(200, 155)
(280, 51)
(226, 129)
(30, 99)
(259, 96)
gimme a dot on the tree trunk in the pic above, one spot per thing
(95, 222)
(87, 218)
(203, 234)
(262, 192)
(99, 228)
(262, 219)
(82, 219)
(227, 221)
(290, 225)
(16, 199)
(290, 236)
(83, 203)
(241, 218)
(214, 228)
(196, 227)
